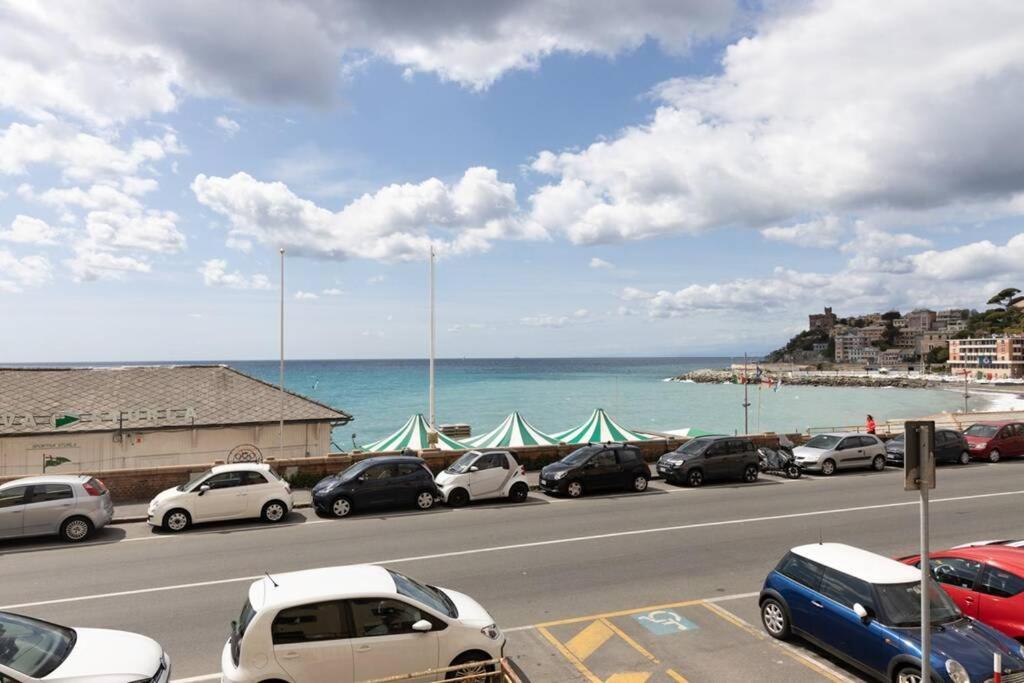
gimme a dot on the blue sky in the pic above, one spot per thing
(681, 178)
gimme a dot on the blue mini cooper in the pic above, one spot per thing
(866, 609)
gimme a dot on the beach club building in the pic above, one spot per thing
(97, 419)
(995, 357)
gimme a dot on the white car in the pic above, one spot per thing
(355, 623)
(827, 453)
(476, 476)
(224, 492)
(33, 650)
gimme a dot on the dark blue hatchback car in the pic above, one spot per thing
(866, 609)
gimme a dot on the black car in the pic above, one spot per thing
(707, 458)
(596, 466)
(950, 447)
(387, 481)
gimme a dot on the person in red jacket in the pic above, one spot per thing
(871, 425)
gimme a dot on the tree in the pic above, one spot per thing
(890, 316)
(1006, 298)
(938, 356)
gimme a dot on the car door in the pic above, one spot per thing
(872, 446)
(1018, 430)
(385, 643)
(958, 577)
(602, 470)
(377, 486)
(999, 602)
(490, 476)
(842, 629)
(46, 507)
(850, 452)
(716, 460)
(12, 511)
(313, 642)
(226, 498)
(256, 489)
(800, 593)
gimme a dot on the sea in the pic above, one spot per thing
(556, 394)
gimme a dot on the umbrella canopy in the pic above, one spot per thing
(413, 434)
(513, 431)
(600, 428)
(691, 432)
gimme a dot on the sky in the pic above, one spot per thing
(683, 177)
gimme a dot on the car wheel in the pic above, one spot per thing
(519, 492)
(425, 500)
(995, 455)
(828, 468)
(750, 474)
(574, 489)
(878, 464)
(458, 498)
(469, 664)
(639, 483)
(775, 619)
(75, 529)
(695, 478)
(273, 512)
(908, 674)
(965, 458)
(177, 520)
(341, 507)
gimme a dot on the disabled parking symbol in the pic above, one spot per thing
(663, 622)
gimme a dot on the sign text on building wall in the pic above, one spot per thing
(106, 417)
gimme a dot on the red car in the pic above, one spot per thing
(986, 582)
(994, 441)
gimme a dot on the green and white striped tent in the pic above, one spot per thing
(413, 434)
(599, 429)
(513, 431)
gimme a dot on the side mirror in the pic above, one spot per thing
(422, 626)
(861, 612)
(361, 477)
(203, 489)
(474, 468)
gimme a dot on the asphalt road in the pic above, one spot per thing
(541, 561)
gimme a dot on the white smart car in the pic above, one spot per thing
(32, 650)
(355, 623)
(224, 492)
(477, 475)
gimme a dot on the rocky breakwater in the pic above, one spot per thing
(813, 379)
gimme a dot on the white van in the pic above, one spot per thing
(479, 475)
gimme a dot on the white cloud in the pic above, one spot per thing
(215, 274)
(228, 125)
(977, 260)
(545, 320)
(601, 263)
(29, 230)
(88, 265)
(332, 291)
(824, 232)
(397, 223)
(813, 114)
(300, 295)
(376, 279)
(27, 271)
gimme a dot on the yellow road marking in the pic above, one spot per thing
(786, 649)
(620, 613)
(569, 656)
(589, 640)
(676, 677)
(629, 677)
(632, 643)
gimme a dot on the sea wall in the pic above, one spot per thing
(821, 379)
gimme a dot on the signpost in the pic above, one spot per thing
(919, 475)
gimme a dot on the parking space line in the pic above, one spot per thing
(629, 641)
(570, 657)
(675, 676)
(589, 640)
(787, 649)
(629, 677)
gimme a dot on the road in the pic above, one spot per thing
(547, 560)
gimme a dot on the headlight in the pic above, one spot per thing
(957, 672)
(558, 475)
(493, 632)
(1020, 651)
(977, 446)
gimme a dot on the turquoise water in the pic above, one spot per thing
(556, 394)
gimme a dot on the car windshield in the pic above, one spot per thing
(240, 626)
(898, 438)
(34, 648)
(196, 478)
(693, 446)
(901, 604)
(355, 470)
(428, 595)
(824, 442)
(461, 465)
(983, 431)
(578, 456)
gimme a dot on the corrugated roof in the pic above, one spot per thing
(145, 397)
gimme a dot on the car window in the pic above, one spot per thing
(801, 570)
(12, 496)
(310, 623)
(1000, 583)
(848, 442)
(1005, 433)
(1019, 429)
(745, 446)
(503, 458)
(224, 480)
(845, 589)
(490, 461)
(383, 617)
(252, 479)
(44, 492)
(407, 468)
(627, 456)
(604, 459)
(955, 571)
(868, 441)
(717, 448)
(380, 472)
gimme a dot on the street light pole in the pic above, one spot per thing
(280, 428)
(746, 401)
(433, 340)
(965, 391)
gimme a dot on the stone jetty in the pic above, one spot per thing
(816, 379)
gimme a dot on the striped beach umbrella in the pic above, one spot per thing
(413, 434)
(598, 429)
(691, 432)
(513, 431)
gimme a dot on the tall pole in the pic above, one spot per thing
(433, 339)
(965, 391)
(926, 615)
(280, 428)
(746, 401)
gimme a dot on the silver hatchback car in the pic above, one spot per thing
(827, 453)
(72, 506)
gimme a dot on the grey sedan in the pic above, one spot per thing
(827, 453)
(72, 506)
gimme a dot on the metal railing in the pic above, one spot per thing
(498, 671)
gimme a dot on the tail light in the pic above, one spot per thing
(94, 487)
(522, 470)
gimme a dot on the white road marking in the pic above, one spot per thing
(531, 544)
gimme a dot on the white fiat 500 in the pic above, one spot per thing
(476, 476)
(355, 623)
(222, 493)
(32, 650)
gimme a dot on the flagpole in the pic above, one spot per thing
(280, 429)
(746, 396)
(433, 340)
